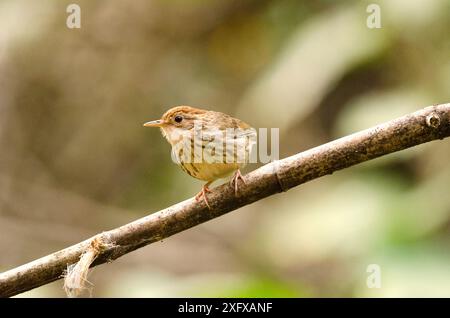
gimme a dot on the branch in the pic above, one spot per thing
(420, 127)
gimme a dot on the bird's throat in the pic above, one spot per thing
(174, 134)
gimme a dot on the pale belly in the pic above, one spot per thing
(210, 171)
(198, 159)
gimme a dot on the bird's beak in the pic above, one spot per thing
(154, 123)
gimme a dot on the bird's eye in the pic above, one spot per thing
(178, 118)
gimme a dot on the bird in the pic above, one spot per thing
(207, 145)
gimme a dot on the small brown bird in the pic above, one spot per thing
(207, 145)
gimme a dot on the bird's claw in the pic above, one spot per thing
(203, 193)
(237, 175)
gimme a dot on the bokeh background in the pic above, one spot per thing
(75, 159)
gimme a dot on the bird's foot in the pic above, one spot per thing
(237, 175)
(203, 193)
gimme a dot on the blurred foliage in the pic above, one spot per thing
(76, 159)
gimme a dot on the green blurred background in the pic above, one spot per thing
(76, 160)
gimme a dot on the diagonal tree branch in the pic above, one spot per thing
(422, 126)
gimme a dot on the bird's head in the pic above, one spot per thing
(177, 122)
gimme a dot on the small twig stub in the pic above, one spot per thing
(433, 120)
